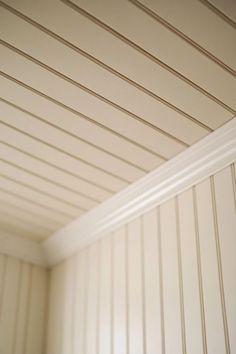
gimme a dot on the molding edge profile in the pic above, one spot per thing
(24, 249)
(196, 163)
(188, 168)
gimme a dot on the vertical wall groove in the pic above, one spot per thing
(2, 283)
(143, 287)
(27, 311)
(85, 314)
(112, 295)
(199, 269)
(46, 328)
(233, 174)
(157, 284)
(22, 307)
(181, 292)
(98, 297)
(160, 273)
(219, 264)
(127, 288)
(75, 280)
(17, 307)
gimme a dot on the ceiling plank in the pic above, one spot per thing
(212, 33)
(80, 32)
(82, 71)
(51, 173)
(68, 144)
(58, 158)
(29, 206)
(49, 188)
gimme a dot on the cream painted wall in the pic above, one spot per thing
(164, 283)
(23, 307)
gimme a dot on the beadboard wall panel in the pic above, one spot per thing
(23, 307)
(164, 283)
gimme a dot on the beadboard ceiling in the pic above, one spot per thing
(95, 94)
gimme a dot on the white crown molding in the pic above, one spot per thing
(21, 248)
(196, 163)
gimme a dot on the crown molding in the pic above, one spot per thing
(196, 163)
(22, 248)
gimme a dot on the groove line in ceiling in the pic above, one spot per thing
(67, 188)
(59, 168)
(218, 12)
(125, 40)
(105, 104)
(73, 135)
(51, 99)
(9, 184)
(65, 152)
(48, 215)
(48, 188)
(24, 140)
(99, 125)
(80, 115)
(102, 98)
(29, 213)
(37, 203)
(101, 64)
(147, 54)
(22, 230)
(132, 115)
(54, 197)
(26, 222)
(72, 110)
(182, 35)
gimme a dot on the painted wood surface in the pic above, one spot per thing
(164, 283)
(23, 307)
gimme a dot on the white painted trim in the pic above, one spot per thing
(21, 248)
(201, 160)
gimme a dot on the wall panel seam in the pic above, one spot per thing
(180, 276)
(199, 270)
(160, 273)
(143, 290)
(47, 307)
(233, 175)
(85, 304)
(127, 289)
(18, 298)
(112, 294)
(98, 303)
(74, 286)
(219, 265)
(28, 308)
(3, 283)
